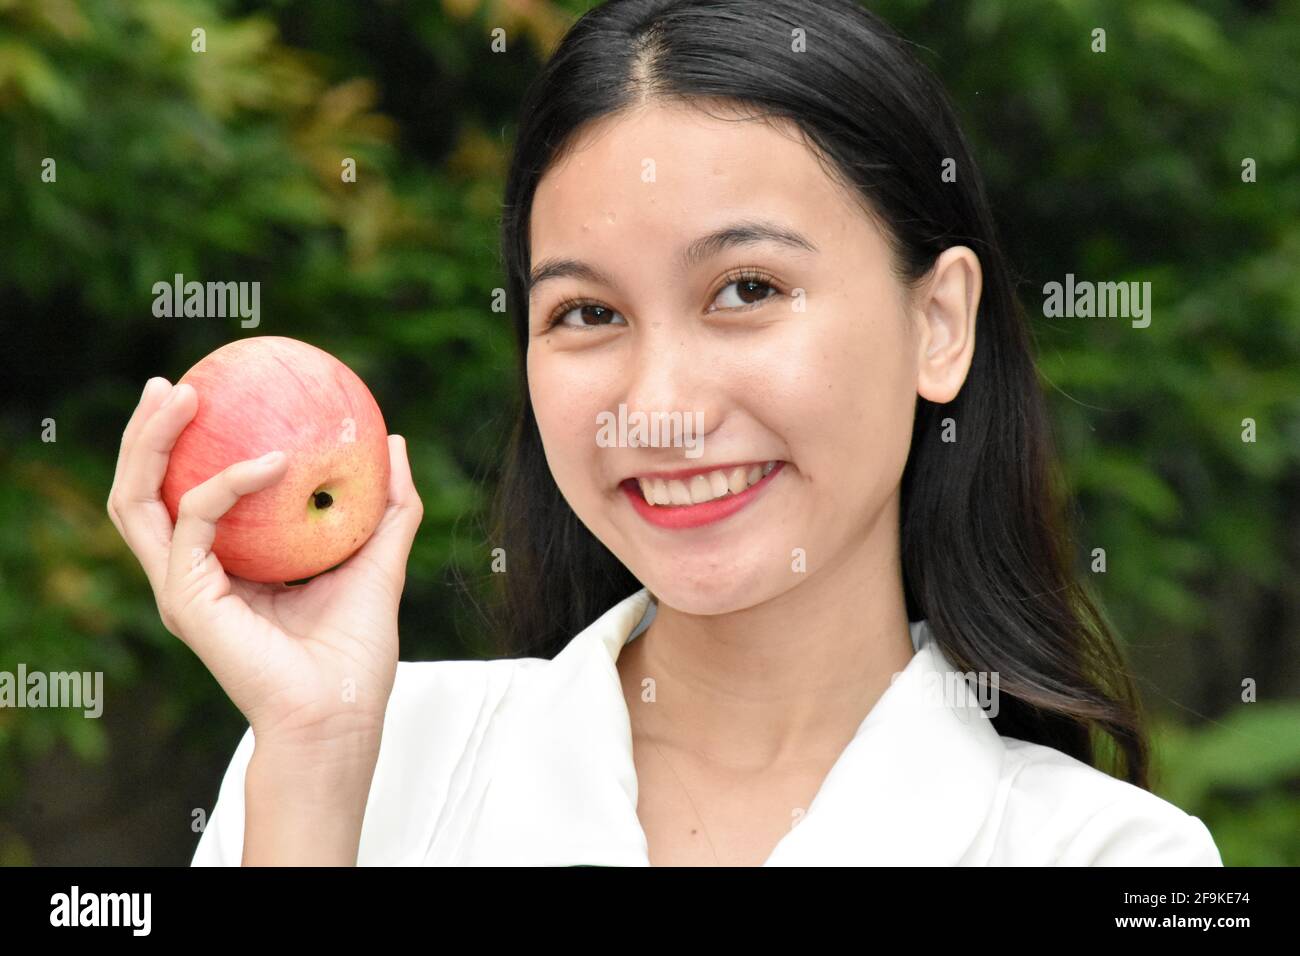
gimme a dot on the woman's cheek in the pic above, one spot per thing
(800, 374)
(874, 429)
(837, 389)
(566, 411)
(552, 422)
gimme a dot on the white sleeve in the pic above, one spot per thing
(222, 841)
(434, 721)
(1146, 831)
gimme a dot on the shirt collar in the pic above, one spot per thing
(913, 786)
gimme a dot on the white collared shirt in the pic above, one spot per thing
(528, 761)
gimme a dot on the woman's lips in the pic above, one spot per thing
(695, 515)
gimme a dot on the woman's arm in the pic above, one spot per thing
(305, 806)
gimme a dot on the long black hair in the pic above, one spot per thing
(986, 540)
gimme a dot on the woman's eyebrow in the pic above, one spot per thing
(744, 233)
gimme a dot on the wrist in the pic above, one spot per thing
(337, 737)
(317, 769)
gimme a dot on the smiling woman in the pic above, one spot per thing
(737, 211)
(759, 231)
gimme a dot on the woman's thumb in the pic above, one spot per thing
(390, 545)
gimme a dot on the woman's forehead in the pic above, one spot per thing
(666, 173)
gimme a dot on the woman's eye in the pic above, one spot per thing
(749, 291)
(588, 316)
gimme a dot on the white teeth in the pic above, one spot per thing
(704, 487)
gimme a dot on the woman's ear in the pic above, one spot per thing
(945, 306)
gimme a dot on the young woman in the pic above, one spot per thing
(732, 644)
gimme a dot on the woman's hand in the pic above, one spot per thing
(307, 665)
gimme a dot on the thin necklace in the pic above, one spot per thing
(688, 797)
(685, 791)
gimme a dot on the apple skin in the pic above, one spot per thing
(269, 393)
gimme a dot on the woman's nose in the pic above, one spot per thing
(669, 383)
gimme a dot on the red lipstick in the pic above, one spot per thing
(693, 516)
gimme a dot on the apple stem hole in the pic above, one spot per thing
(322, 500)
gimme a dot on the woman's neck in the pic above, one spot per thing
(780, 682)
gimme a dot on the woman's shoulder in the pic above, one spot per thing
(440, 686)
(1072, 814)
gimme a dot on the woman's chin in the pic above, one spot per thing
(716, 592)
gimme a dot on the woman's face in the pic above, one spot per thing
(813, 359)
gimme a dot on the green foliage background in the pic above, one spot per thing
(1118, 166)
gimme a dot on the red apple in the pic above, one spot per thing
(271, 393)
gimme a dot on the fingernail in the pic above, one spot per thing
(170, 395)
(270, 458)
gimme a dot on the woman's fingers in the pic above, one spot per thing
(146, 460)
(154, 391)
(195, 579)
(390, 545)
(145, 523)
